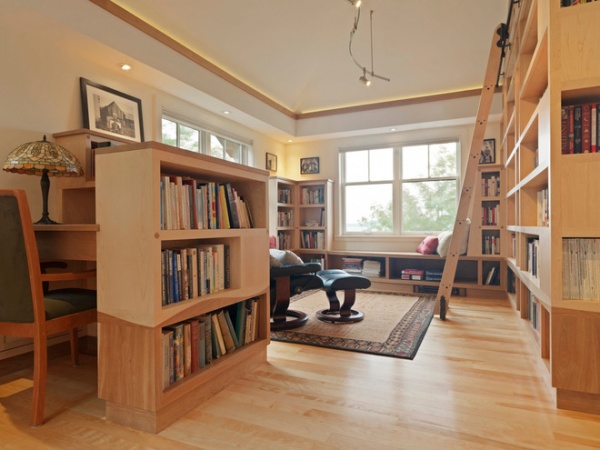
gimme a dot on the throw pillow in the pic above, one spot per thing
(444, 241)
(428, 246)
(286, 257)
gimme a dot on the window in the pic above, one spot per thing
(400, 189)
(200, 140)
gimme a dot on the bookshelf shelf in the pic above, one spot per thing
(131, 312)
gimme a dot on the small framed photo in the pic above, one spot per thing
(111, 112)
(488, 152)
(309, 165)
(271, 162)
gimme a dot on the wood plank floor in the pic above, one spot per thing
(476, 383)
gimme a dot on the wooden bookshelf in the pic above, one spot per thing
(546, 71)
(131, 316)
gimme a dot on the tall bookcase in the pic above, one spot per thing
(308, 204)
(551, 196)
(130, 311)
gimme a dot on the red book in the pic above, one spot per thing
(586, 128)
(571, 129)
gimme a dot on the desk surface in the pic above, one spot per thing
(67, 241)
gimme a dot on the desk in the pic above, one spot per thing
(67, 241)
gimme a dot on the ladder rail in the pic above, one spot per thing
(460, 224)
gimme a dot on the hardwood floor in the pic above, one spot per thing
(475, 383)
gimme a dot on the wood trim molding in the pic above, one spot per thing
(184, 51)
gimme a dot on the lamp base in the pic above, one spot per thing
(45, 220)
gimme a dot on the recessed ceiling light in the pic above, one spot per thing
(290, 140)
(226, 112)
(393, 129)
(125, 67)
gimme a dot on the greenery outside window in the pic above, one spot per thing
(401, 189)
(200, 140)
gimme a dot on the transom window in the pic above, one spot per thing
(401, 189)
(200, 140)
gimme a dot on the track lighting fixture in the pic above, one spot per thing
(355, 3)
(363, 79)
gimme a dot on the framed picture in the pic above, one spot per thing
(271, 162)
(309, 165)
(111, 112)
(488, 152)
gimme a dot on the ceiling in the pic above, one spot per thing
(297, 52)
(282, 67)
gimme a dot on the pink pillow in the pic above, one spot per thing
(428, 246)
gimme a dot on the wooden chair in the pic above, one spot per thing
(25, 310)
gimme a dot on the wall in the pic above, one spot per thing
(39, 84)
(328, 152)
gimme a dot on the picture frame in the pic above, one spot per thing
(111, 112)
(271, 162)
(488, 152)
(309, 166)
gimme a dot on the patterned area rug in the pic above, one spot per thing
(394, 324)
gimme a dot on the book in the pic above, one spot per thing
(187, 348)
(218, 334)
(231, 206)
(225, 332)
(201, 343)
(231, 328)
(208, 357)
(194, 337)
(241, 313)
(178, 351)
(167, 358)
(490, 276)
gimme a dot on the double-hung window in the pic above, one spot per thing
(400, 189)
(201, 140)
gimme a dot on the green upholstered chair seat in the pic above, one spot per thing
(62, 302)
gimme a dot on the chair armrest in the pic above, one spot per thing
(294, 269)
(69, 276)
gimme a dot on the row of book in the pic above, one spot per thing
(312, 196)
(532, 260)
(581, 268)
(352, 265)
(285, 218)
(493, 277)
(367, 267)
(490, 186)
(564, 3)
(188, 204)
(579, 130)
(189, 346)
(490, 214)
(284, 196)
(312, 239)
(490, 245)
(543, 208)
(284, 240)
(194, 271)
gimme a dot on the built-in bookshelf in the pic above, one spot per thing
(551, 88)
(301, 217)
(136, 318)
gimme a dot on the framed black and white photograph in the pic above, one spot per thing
(488, 152)
(271, 162)
(110, 111)
(309, 166)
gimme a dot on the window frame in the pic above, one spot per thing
(397, 185)
(205, 132)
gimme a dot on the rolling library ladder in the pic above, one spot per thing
(460, 225)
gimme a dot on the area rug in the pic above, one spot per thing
(394, 324)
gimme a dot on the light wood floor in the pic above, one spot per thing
(475, 384)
